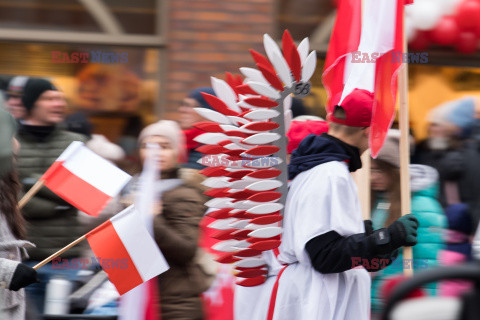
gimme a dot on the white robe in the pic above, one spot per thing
(320, 200)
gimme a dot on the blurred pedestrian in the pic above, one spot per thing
(298, 108)
(459, 169)
(177, 213)
(450, 128)
(14, 103)
(14, 275)
(385, 187)
(188, 117)
(459, 247)
(52, 222)
(78, 122)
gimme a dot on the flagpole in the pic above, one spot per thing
(362, 178)
(363, 175)
(405, 152)
(29, 195)
(59, 252)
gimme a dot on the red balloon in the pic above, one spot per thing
(420, 42)
(468, 14)
(467, 42)
(446, 31)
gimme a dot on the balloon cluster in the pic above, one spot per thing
(453, 23)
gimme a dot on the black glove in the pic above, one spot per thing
(22, 277)
(403, 232)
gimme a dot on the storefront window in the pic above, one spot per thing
(126, 16)
(109, 93)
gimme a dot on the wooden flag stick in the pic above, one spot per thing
(362, 179)
(29, 195)
(405, 154)
(59, 252)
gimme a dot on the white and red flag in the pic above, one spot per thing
(84, 179)
(128, 253)
(365, 52)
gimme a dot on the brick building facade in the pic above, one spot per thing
(208, 38)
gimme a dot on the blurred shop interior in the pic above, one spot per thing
(116, 96)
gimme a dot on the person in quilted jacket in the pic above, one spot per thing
(14, 275)
(385, 186)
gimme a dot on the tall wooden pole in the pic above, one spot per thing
(405, 153)
(362, 179)
(362, 176)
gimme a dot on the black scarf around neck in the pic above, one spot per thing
(38, 133)
(315, 150)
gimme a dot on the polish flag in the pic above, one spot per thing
(84, 179)
(129, 254)
(363, 53)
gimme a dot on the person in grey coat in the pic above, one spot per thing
(14, 275)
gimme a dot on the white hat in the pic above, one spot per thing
(169, 129)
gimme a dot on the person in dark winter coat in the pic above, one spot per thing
(14, 275)
(52, 222)
(179, 209)
(461, 173)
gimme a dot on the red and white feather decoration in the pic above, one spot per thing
(244, 151)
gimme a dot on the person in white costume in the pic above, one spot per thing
(325, 248)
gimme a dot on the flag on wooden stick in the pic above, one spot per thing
(133, 256)
(84, 179)
(366, 52)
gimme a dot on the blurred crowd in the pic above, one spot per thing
(445, 186)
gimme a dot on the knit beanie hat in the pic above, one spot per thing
(7, 130)
(168, 129)
(17, 84)
(390, 151)
(33, 90)
(459, 218)
(197, 95)
(439, 115)
(463, 113)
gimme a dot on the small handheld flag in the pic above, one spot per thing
(124, 239)
(84, 179)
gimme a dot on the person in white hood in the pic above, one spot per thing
(324, 243)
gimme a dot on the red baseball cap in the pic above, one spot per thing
(358, 107)
(300, 129)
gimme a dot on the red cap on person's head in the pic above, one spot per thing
(300, 129)
(358, 107)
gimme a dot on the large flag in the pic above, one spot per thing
(84, 179)
(127, 252)
(141, 302)
(366, 52)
